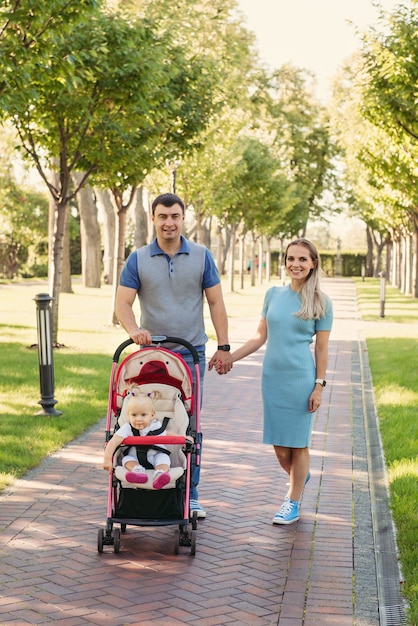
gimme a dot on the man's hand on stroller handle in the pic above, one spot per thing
(141, 336)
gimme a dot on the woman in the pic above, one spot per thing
(292, 381)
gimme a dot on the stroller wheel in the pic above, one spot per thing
(176, 541)
(123, 528)
(116, 540)
(100, 538)
(193, 537)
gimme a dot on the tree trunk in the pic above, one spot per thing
(403, 262)
(66, 284)
(227, 243)
(268, 260)
(219, 248)
(254, 262)
(141, 219)
(199, 225)
(108, 214)
(369, 257)
(242, 265)
(55, 278)
(231, 260)
(260, 261)
(120, 237)
(415, 259)
(90, 234)
(408, 264)
(396, 261)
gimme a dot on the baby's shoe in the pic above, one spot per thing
(137, 475)
(161, 479)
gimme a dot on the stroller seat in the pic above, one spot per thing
(170, 405)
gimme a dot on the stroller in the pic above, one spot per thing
(148, 369)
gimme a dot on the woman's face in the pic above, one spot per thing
(299, 262)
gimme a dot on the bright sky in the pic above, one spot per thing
(311, 34)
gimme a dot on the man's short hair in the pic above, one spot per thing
(167, 199)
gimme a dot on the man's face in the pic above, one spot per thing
(168, 222)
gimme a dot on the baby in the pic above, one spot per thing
(141, 415)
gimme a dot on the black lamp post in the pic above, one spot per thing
(45, 355)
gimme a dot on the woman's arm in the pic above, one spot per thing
(253, 344)
(321, 352)
(321, 360)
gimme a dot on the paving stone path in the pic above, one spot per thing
(319, 571)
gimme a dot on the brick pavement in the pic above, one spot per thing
(246, 571)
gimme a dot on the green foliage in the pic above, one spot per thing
(351, 263)
(388, 102)
(28, 32)
(302, 141)
(391, 58)
(24, 224)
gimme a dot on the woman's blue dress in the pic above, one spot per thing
(289, 373)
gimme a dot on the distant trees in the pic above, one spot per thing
(376, 96)
(103, 95)
(107, 102)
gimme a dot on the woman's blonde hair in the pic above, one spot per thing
(313, 299)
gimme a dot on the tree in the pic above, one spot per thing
(108, 97)
(364, 153)
(297, 128)
(389, 102)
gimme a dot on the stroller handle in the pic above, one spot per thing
(156, 339)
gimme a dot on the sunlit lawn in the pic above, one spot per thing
(397, 307)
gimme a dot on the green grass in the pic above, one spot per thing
(394, 366)
(397, 308)
(26, 438)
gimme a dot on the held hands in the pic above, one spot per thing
(221, 361)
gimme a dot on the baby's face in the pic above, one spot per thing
(140, 417)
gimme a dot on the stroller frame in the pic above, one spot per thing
(186, 534)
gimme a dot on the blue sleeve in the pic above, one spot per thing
(325, 323)
(210, 273)
(129, 274)
(266, 303)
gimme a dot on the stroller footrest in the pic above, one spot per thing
(175, 474)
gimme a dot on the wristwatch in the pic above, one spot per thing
(320, 381)
(225, 348)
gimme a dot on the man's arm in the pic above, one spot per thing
(125, 298)
(220, 322)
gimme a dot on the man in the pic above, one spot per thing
(170, 276)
